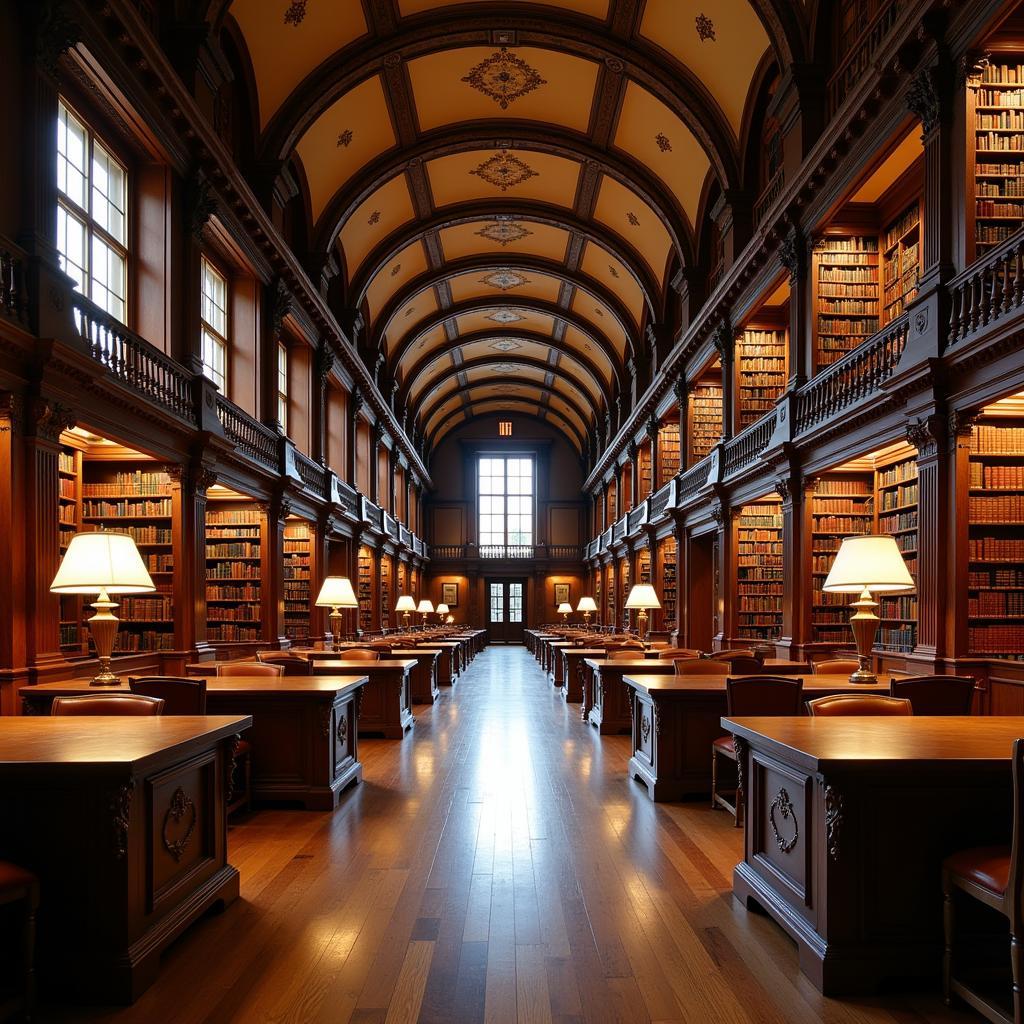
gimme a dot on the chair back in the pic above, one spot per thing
(739, 652)
(936, 695)
(107, 704)
(838, 704)
(836, 667)
(701, 667)
(764, 695)
(293, 664)
(181, 696)
(745, 666)
(626, 654)
(360, 654)
(671, 653)
(228, 669)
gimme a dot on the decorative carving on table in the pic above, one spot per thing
(833, 821)
(341, 732)
(504, 170)
(120, 814)
(229, 768)
(739, 746)
(357, 704)
(180, 807)
(784, 806)
(504, 78)
(325, 721)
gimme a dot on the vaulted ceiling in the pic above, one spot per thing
(508, 186)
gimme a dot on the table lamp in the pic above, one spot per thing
(425, 608)
(867, 565)
(102, 563)
(442, 611)
(450, 620)
(586, 605)
(641, 597)
(336, 593)
(406, 604)
(565, 610)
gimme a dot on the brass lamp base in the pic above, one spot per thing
(336, 621)
(864, 623)
(104, 633)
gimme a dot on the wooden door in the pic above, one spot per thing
(506, 610)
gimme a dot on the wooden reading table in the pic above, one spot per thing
(303, 735)
(606, 702)
(423, 682)
(386, 708)
(847, 823)
(124, 821)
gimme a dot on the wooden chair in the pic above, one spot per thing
(671, 653)
(774, 696)
(360, 654)
(836, 667)
(293, 664)
(739, 652)
(17, 885)
(858, 704)
(626, 654)
(181, 695)
(228, 669)
(936, 695)
(994, 876)
(700, 667)
(107, 704)
(745, 666)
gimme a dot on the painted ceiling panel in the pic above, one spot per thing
(601, 265)
(504, 282)
(581, 343)
(589, 307)
(435, 340)
(505, 316)
(595, 8)
(626, 213)
(480, 349)
(373, 220)
(420, 306)
(498, 368)
(396, 273)
(503, 173)
(507, 236)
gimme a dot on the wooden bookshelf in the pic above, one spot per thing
(901, 262)
(69, 470)
(386, 599)
(610, 594)
(842, 506)
(667, 562)
(643, 565)
(761, 372)
(996, 151)
(234, 571)
(995, 604)
(134, 497)
(645, 480)
(364, 591)
(706, 401)
(668, 452)
(298, 540)
(759, 570)
(846, 297)
(598, 578)
(624, 584)
(896, 508)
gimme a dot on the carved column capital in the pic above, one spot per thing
(926, 435)
(47, 420)
(200, 204)
(280, 303)
(356, 401)
(721, 514)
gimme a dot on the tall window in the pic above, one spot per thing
(505, 494)
(215, 325)
(282, 385)
(92, 219)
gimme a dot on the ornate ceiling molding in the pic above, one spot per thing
(518, 405)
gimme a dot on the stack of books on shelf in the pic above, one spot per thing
(847, 294)
(234, 549)
(668, 453)
(759, 571)
(705, 419)
(668, 582)
(365, 592)
(761, 365)
(901, 262)
(297, 545)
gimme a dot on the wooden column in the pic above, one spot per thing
(376, 438)
(324, 365)
(725, 343)
(794, 254)
(634, 477)
(273, 514)
(355, 404)
(189, 484)
(725, 571)
(682, 396)
(960, 428)
(797, 584)
(652, 436)
(13, 551)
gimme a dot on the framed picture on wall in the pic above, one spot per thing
(450, 594)
(561, 594)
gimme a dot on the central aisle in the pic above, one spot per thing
(494, 866)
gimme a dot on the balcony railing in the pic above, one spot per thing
(857, 375)
(636, 517)
(659, 501)
(988, 289)
(565, 551)
(249, 436)
(861, 55)
(136, 363)
(506, 551)
(746, 447)
(693, 479)
(314, 476)
(373, 514)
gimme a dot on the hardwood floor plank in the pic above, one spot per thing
(404, 1006)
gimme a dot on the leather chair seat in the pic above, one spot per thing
(14, 877)
(984, 866)
(724, 746)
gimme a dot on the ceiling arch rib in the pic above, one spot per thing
(482, 406)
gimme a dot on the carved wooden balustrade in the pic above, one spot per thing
(636, 517)
(746, 447)
(314, 476)
(693, 480)
(859, 374)
(256, 440)
(988, 289)
(136, 363)
(373, 514)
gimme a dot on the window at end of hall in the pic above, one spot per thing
(92, 214)
(505, 495)
(282, 385)
(215, 325)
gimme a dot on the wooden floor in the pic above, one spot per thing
(495, 866)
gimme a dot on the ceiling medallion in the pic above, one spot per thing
(504, 78)
(506, 367)
(409, 311)
(663, 142)
(503, 232)
(633, 219)
(613, 271)
(506, 344)
(396, 269)
(598, 311)
(345, 138)
(504, 170)
(504, 279)
(373, 218)
(705, 28)
(295, 13)
(505, 316)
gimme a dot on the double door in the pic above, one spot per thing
(506, 610)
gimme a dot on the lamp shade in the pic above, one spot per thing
(642, 596)
(441, 609)
(425, 607)
(406, 603)
(102, 561)
(869, 562)
(565, 608)
(337, 592)
(587, 604)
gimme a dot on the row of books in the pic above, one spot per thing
(997, 189)
(239, 550)
(233, 571)
(228, 633)
(898, 523)
(233, 613)
(996, 639)
(232, 593)
(903, 495)
(239, 517)
(127, 509)
(128, 484)
(1003, 508)
(996, 476)
(855, 274)
(994, 142)
(903, 225)
(986, 548)
(996, 578)
(988, 208)
(996, 603)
